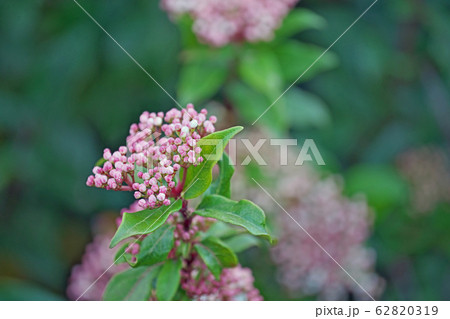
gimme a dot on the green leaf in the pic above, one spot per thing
(100, 162)
(199, 178)
(243, 213)
(299, 20)
(202, 75)
(143, 222)
(216, 255)
(384, 188)
(121, 256)
(222, 185)
(242, 242)
(133, 284)
(168, 280)
(138, 169)
(250, 104)
(296, 59)
(260, 69)
(155, 247)
(220, 230)
(306, 110)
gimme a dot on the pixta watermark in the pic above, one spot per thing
(243, 151)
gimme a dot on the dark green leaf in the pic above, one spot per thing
(243, 213)
(156, 246)
(242, 242)
(306, 110)
(216, 255)
(250, 104)
(133, 284)
(202, 76)
(299, 20)
(121, 256)
(222, 185)
(296, 59)
(220, 230)
(199, 177)
(260, 69)
(382, 186)
(138, 169)
(168, 280)
(143, 222)
(100, 162)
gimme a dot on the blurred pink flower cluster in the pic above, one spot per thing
(234, 283)
(339, 224)
(97, 263)
(427, 170)
(220, 22)
(160, 145)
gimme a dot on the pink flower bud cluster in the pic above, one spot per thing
(427, 170)
(158, 147)
(219, 22)
(234, 284)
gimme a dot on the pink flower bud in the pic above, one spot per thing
(112, 183)
(90, 180)
(98, 182)
(118, 165)
(163, 189)
(142, 203)
(142, 188)
(123, 150)
(158, 121)
(107, 167)
(106, 153)
(135, 249)
(193, 124)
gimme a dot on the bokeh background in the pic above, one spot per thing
(67, 91)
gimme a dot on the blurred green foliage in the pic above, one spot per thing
(66, 89)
